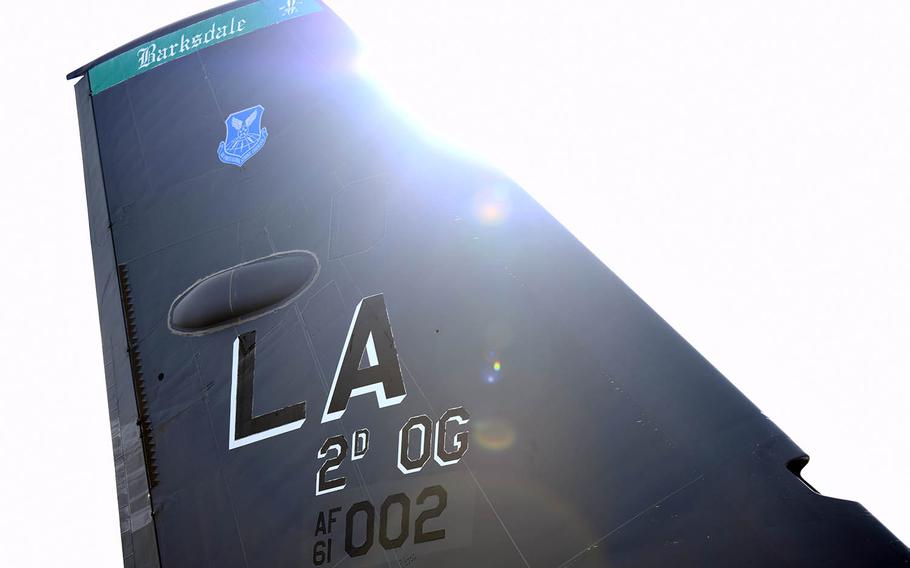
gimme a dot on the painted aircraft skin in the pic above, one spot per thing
(328, 341)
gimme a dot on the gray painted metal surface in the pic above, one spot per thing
(581, 429)
(137, 531)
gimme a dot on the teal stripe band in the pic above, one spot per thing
(206, 33)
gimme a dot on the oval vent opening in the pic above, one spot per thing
(242, 292)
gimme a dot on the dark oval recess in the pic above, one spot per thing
(243, 292)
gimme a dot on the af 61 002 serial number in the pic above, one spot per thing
(389, 525)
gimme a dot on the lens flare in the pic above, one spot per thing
(494, 435)
(491, 205)
(492, 370)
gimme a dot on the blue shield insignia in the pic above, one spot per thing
(245, 136)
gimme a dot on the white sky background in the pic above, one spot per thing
(743, 166)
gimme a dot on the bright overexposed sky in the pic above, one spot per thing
(743, 166)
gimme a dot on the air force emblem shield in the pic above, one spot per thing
(245, 136)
